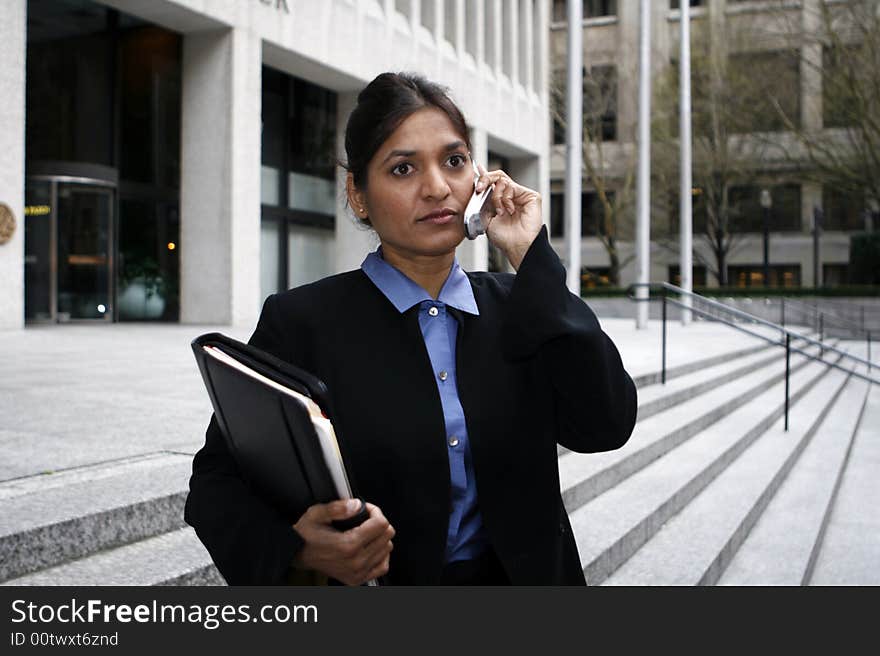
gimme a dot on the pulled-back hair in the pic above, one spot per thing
(382, 106)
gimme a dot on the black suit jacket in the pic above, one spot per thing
(534, 369)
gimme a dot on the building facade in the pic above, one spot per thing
(177, 160)
(762, 39)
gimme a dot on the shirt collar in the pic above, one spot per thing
(404, 293)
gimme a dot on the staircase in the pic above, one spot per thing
(710, 489)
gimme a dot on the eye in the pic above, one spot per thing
(457, 161)
(400, 170)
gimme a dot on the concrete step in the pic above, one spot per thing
(655, 396)
(174, 558)
(658, 397)
(614, 525)
(695, 545)
(850, 551)
(781, 547)
(49, 519)
(653, 378)
(585, 476)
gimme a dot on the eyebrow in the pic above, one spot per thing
(409, 153)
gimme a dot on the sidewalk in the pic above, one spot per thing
(75, 395)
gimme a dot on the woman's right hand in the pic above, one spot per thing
(354, 556)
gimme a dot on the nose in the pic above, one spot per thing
(434, 184)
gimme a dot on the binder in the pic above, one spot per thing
(276, 420)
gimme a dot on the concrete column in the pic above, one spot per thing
(498, 42)
(473, 255)
(541, 39)
(527, 23)
(13, 34)
(220, 178)
(353, 241)
(627, 70)
(811, 67)
(512, 44)
(534, 172)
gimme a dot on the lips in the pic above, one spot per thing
(439, 216)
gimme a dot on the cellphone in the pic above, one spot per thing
(480, 210)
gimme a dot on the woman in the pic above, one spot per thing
(450, 389)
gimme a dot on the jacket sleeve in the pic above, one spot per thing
(250, 542)
(594, 397)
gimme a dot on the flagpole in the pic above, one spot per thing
(685, 193)
(574, 145)
(643, 181)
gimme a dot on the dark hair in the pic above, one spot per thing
(382, 106)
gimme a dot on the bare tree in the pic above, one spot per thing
(840, 147)
(734, 96)
(613, 181)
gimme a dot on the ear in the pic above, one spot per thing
(356, 198)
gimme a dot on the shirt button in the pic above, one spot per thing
(453, 441)
(433, 311)
(443, 375)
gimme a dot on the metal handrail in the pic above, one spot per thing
(822, 317)
(786, 335)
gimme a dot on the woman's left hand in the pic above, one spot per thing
(518, 217)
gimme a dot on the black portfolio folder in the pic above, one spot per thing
(276, 419)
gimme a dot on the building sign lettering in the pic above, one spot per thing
(280, 5)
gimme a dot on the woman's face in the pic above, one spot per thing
(418, 185)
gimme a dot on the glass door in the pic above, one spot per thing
(85, 245)
(68, 250)
(39, 253)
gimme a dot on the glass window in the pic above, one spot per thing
(149, 237)
(676, 4)
(590, 9)
(599, 104)
(834, 275)
(311, 193)
(592, 213)
(70, 79)
(310, 255)
(765, 91)
(592, 277)
(699, 216)
(747, 214)
(272, 139)
(270, 256)
(596, 8)
(298, 182)
(842, 210)
(150, 80)
(698, 275)
(752, 275)
(842, 68)
(557, 105)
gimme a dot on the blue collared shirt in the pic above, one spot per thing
(466, 537)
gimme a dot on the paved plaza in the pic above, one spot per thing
(75, 395)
